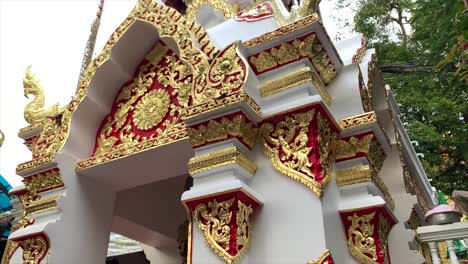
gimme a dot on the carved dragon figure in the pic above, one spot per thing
(34, 112)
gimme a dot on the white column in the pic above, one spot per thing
(451, 251)
(434, 253)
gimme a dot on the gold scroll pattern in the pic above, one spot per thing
(366, 93)
(360, 241)
(10, 248)
(359, 120)
(215, 130)
(287, 144)
(304, 47)
(214, 221)
(327, 141)
(169, 23)
(40, 182)
(384, 229)
(367, 145)
(34, 249)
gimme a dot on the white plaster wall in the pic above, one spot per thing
(289, 227)
(334, 230)
(392, 175)
(82, 234)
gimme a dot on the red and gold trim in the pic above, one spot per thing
(360, 52)
(35, 247)
(307, 46)
(236, 125)
(224, 220)
(361, 145)
(301, 145)
(367, 232)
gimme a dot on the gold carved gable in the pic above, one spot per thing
(148, 108)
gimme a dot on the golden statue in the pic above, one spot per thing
(34, 112)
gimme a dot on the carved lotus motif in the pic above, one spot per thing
(151, 109)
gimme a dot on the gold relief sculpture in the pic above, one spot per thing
(295, 79)
(309, 47)
(376, 155)
(384, 228)
(287, 144)
(359, 120)
(42, 205)
(284, 30)
(219, 159)
(151, 109)
(214, 221)
(327, 141)
(325, 258)
(177, 75)
(35, 163)
(360, 241)
(215, 130)
(10, 248)
(218, 5)
(34, 249)
(243, 225)
(366, 93)
(42, 181)
(34, 112)
(349, 148)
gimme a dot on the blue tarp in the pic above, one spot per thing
(5, 203)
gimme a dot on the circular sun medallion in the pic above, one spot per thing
(151, 109)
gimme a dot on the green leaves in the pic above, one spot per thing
(428, 72)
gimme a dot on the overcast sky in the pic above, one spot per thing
(51, 36)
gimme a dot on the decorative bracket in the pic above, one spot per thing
(301, 145)
(367, 233)
(224, 220)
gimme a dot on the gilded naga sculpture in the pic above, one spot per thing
(34, 112)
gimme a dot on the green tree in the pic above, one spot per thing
(421, 45)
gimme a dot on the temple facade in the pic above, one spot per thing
(222, 132)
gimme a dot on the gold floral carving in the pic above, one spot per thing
(215, 221)
(360, 241)
(34, 249)
(359, 120)
(323, 259)
(240, 97)
(327, 141)
(35, 163)
(42, 205)
(363, 174)
(151, 109)
(384, 228)
(219, 5)
(309, 47)
(10, 248)
(286, 143)
(216, 130)
(298, 11)
(219, 159)
(282, 31)
(366, 93)
(349, 148)
(243, 226)
(215, 226)
(295, 79)
(42, 181)
(367, 145)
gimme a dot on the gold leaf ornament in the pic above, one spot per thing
(360, 241)
(151, 109)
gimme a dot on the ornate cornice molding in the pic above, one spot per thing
(292, 80)
(308, 46)
(360, 120)
(364, 174)
(219, 159)
(218, 129)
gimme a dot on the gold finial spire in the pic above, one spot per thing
(91, 43)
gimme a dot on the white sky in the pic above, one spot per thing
(51, 36)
